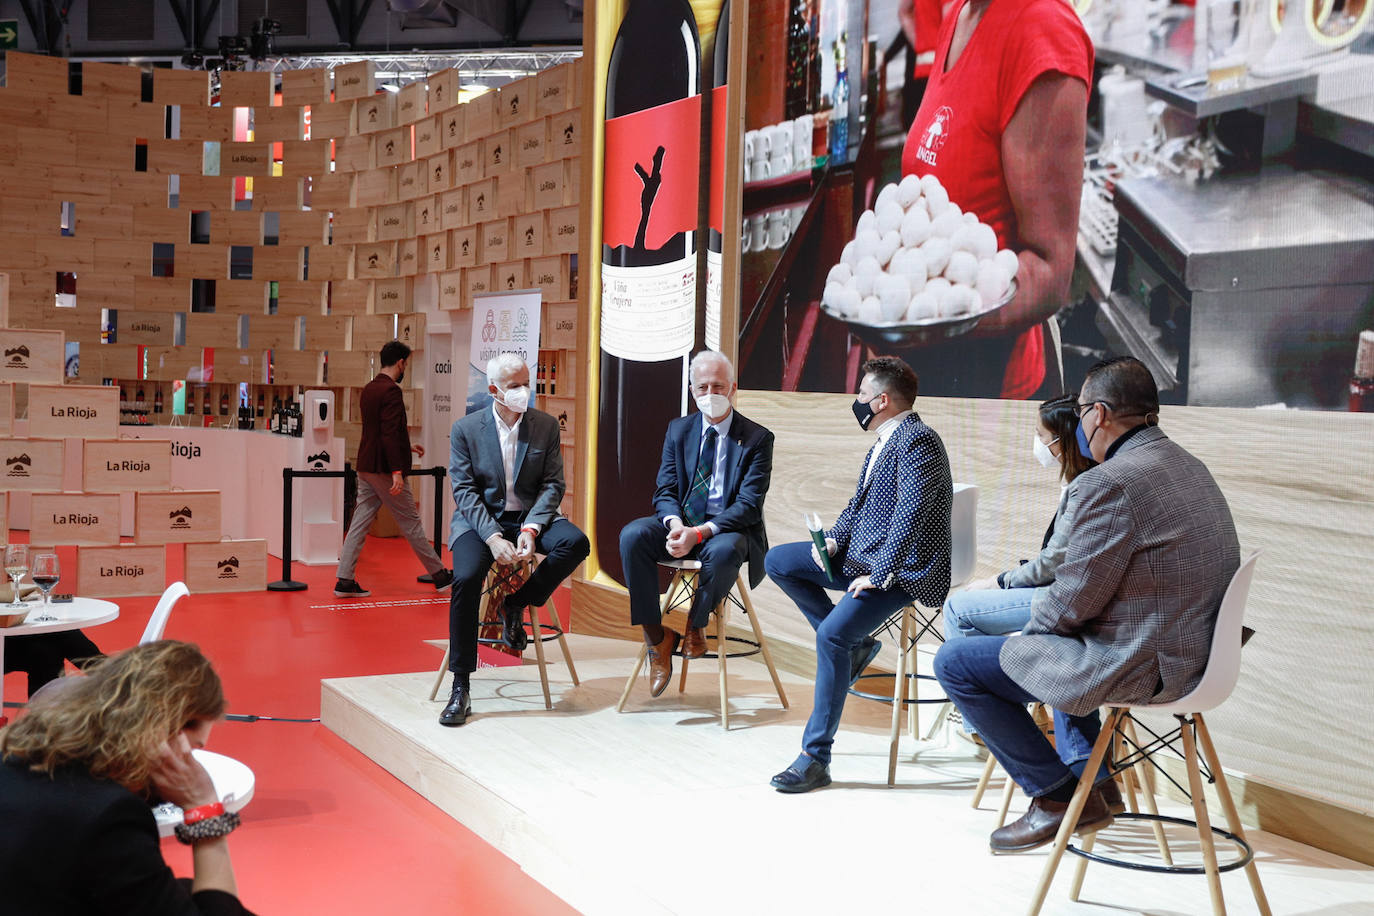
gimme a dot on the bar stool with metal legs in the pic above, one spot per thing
(682, 589)
(506, 579)
(914, 622)
(1219, 679)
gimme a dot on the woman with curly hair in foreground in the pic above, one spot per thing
(78, 771)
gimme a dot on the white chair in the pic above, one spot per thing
(158, 622)
(681, 589)
(915, 621)
(1218, 680)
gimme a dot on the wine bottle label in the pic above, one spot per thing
(653, 160)
(715, 210)
(648, 314)
(712, 299)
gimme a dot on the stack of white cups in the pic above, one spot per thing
(779, 149)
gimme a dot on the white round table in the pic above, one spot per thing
(234, 783)
(74, 615)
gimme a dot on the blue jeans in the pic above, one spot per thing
(839, 628)
(987, 612)
(995, 705)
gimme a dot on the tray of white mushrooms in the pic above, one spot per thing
(918, 269)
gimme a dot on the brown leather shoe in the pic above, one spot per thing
(694, 642)
(1111, 795)
(1040, 824)
(661, 662)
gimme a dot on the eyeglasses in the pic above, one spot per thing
(1084, 408)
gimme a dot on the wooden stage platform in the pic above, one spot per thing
(658, 810)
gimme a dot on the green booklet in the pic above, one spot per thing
(813, 524)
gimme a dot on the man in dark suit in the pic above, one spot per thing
(889, 547)
(507, 471)
(1129, 617)
(708, 506)
(383, 455)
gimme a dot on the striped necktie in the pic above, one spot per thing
(695, 509)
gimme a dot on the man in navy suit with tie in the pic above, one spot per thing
(889, 547)
(708, 506)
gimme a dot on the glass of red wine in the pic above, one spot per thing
(46, 573)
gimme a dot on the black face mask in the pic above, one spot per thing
(863, 412)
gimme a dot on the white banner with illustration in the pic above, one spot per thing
(506, 322)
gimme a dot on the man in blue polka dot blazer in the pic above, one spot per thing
(889, 547)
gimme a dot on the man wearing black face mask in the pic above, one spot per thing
(889, 547)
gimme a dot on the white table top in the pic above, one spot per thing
(234, 784)
(73, 615)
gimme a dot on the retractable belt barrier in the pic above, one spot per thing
(350, 477)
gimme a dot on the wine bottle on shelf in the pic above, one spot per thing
(715, 202)
(140, 402)
(652, 164)
(205, 401)
(157, 400)
(224, 402)
(1362, 381)
(261, 414)
(123, 405)
(798, 48)
(839, 107)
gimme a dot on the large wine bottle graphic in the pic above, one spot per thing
(648, 274)
(715, 203)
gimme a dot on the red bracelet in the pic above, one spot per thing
(201, 812)
(700, 535)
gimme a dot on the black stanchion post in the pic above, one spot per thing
(439, 475)
(286, 583)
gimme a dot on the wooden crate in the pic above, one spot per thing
(227, 566)
(476, 282)
(109, 221)
(349, 297)
(509, 275)
(427, 218)
(451, 290)
(279, 262)
(31, 464)
(37, 74)
(436, 253)
(302, 227)
(202, 262)
(305, 87)
(4, 517)
(375, 260)
(305, 158)
(408, 258)
(129, 257)
(303, 297)
(236, 227)
(374, 113)
(114, 361)
(355, 227)
(6, 414)
(204, 192)
(453, 211)
(297, 367)
(410, 103)
(451, 133)
(245, 88)
(63, 253)
(467, 163)
(163, 294)
(481, 201)
(498, 157)
(103, 153)
(551, 276)
(517, 101)
(493, 241)
(229, 365)
(438, 172)
(156, 328)
(546, 186)
(214, 124)
(272, 193)
(355, 154)
(559, 330)
(138, 120)
(331, 119)
(443, 90)
(410, 330)
(530, 142)
(32, 355)
(394, 222)
(87, 184)
(376, 188)
(168, 364)
(67, 519)
(175, 157)
(565, 135)
(552, 87)
(391, 147)
(213, 330)
(411, 180)
(479, 114)
(121, 572)
(563, 231)
(428, 141)
(242, 297)
(331, 262)
(284, 123)
(274, 332)
(527, 235)
(328, 332)
(158, 224)
(125, 465)
(111, 80)
(245, 159)
(348, 368)
(372, 332)
(396, 295)
(564, 410)
(463, 247)
(355, 81)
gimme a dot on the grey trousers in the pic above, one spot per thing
(373, 491)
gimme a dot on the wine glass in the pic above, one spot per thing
(16, 567)
(46, 574)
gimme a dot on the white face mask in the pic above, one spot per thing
(713, 405)
(516, 399)
(1043, 453)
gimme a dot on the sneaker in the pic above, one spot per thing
(348, 588)
(442, 579)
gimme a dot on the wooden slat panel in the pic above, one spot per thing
(102, 290)
(241, 159)
(278, 193)
(376, 187)
(217, 330)
(122, 256)
(100, 150)
(278, 262)
(138, 189)
(328, 332)
(331, 262)
(372, 332)
(66, 519)
(233, 365)
(104, 222)
(158, 224)
(155, 328)
(356, 226)
(305, 158)
(204, 262)
(175, 157)
(35, 73)
(125, 465)
(168, 364)
(274, 332)
(138, 120)
(297, 367)
(302, 227)
(306, 297)
(305, 87)
(236, 227)
(111, 80)
(279, 123)
(352, 297)
(245, 88)
(216, 124)
(349, 368)
(6, 416)
(121, 572)
(393, 223)
(206, 192)
(331, 119)
(181, 87)
(242, 297)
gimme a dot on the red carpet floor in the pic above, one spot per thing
(328, 831)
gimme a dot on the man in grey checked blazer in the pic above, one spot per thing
(890, 546)
(1129, 617)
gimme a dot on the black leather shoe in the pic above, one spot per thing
(793, 781)
(1111, 795)
(861, 656)
(426, 579)
(441, 580)
(513, 631)
(1040, 824)
(459, 703)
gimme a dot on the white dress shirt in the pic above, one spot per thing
(510, 439)
(715, 497)
(884, 433)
